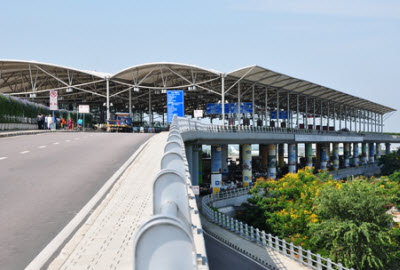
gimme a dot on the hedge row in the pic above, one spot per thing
(15, 110)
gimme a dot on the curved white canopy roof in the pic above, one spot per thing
(25, 77)
(266, 77)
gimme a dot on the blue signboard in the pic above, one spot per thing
(216, 108)
(175, 104)
(282, 115)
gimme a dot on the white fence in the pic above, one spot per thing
(186, 124)
(261, 238)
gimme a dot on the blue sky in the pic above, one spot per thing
(351, 46)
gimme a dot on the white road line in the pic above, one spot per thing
(56, 143)
(1, 158)
(43, 146)
(24, 152)
(55, 244)
(68, 140)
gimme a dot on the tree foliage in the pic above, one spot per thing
(390, 162)
(354, 226)
(345, 221)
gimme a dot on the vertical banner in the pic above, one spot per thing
(216, 168)
(175, 104)
(247, 166)
(53, 100)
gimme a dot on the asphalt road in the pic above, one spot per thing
(221, 256)
(46, 179)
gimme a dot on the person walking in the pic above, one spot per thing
(70, 123)
(49, 121)
(46, 121)
(62, 123)
(39, 120)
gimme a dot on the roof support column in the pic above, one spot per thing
(345, 117)
(327, 118)
(266, 106)
(320, 118)
(108, 97)
(277, 108)
(130, 102)
(314, 115)
(364, 120)
(350, 119)
(223, 98)
(297, 111)
(375, 121)
(150, 112)
(340, 117)
(382, 123)
(288, 122)
(306, 123)
(359, 120)
(238, 105)
(334, 116)
(253, 106)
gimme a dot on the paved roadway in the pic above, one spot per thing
(46, 179)
(221, 256)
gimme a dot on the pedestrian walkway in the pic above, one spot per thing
(8, 133)
(105, 240)
(270, 257)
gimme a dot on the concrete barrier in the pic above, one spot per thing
(173, 238)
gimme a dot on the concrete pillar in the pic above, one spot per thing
(240, 155)
(281, 156)
(335, 151)
(264, 156)
(189, 154)
(309, 154)
(346, 148)
(378, 151)
(246, 167)
(224, 156)
(371, 147)
(216, 168)
(292, 157)
(355, 155)
(387, 148)
(195, 161)
(200, 165)
(364, 160)
(318, 154)
(324, 156)
(271, 160)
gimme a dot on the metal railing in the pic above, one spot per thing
(261, 238)
(173, 237)
(186, 124)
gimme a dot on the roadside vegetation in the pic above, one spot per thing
(346, 221)
(14, 110)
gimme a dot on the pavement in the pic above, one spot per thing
(271, 258)
(9, 133)
(45, 181)
(105, 240)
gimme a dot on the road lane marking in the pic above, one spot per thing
(24, 152)
(68, 140)
(66, 232)
(1, 158)
(56, 143)
(42, 146)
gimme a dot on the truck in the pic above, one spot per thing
(121, 123)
